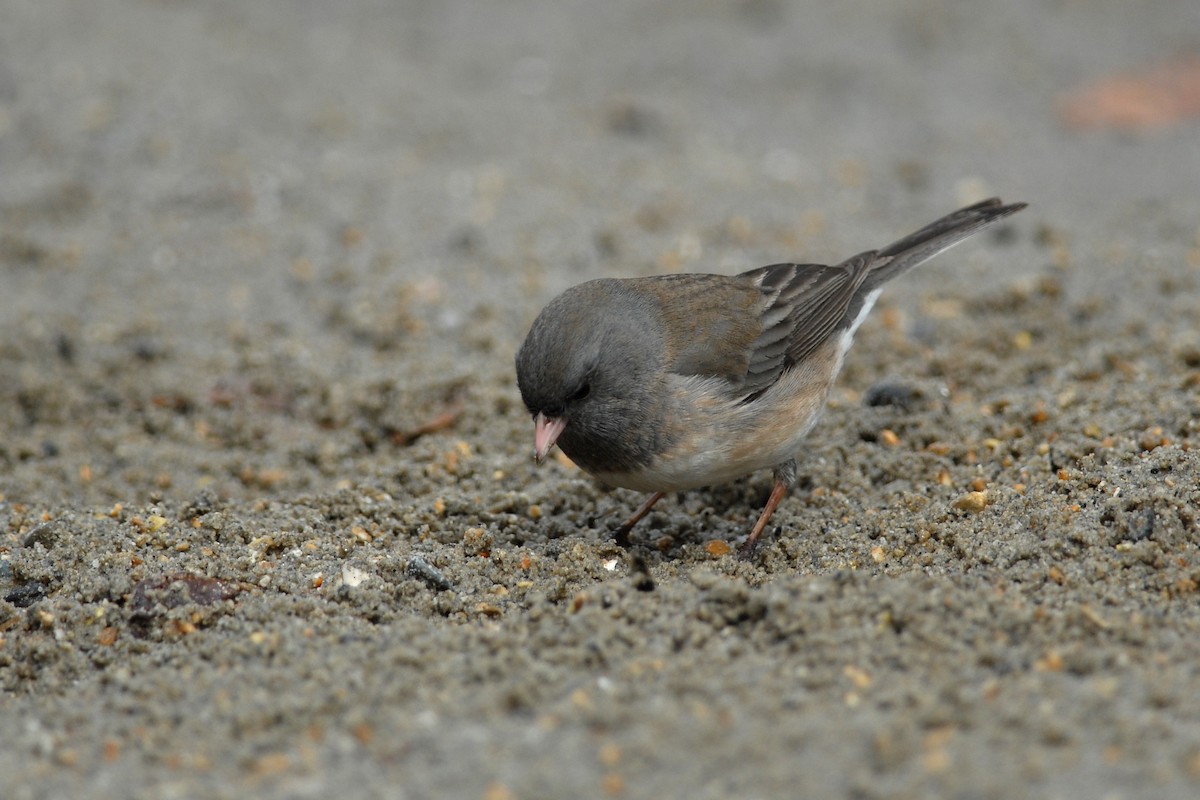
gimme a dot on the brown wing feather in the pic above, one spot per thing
(807, 304)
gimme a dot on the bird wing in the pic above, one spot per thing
(749, 329)
(806, 304)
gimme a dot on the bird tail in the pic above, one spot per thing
(935, 237)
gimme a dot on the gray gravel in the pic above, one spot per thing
(249, 250)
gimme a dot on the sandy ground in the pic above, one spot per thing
(248, 250)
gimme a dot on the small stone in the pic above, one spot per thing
(972, 502)
(717, 548)
(353, 576)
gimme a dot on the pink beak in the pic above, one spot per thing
(546, 431)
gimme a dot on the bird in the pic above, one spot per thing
(674, 382)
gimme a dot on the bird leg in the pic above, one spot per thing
(785, 474)
(777, 493)
(621, 534)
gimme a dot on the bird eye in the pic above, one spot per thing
(582, 392)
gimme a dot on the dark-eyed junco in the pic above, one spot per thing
(679, 381)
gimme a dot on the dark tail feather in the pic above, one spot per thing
(936, 237)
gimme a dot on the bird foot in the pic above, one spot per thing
(747, 549)
(621, 536)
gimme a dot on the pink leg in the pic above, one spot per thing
(777, 492)
(621, 534)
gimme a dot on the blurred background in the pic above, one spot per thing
(214, 153)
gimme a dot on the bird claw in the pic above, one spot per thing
(746, 551)
(749, 547)
(621, 536)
